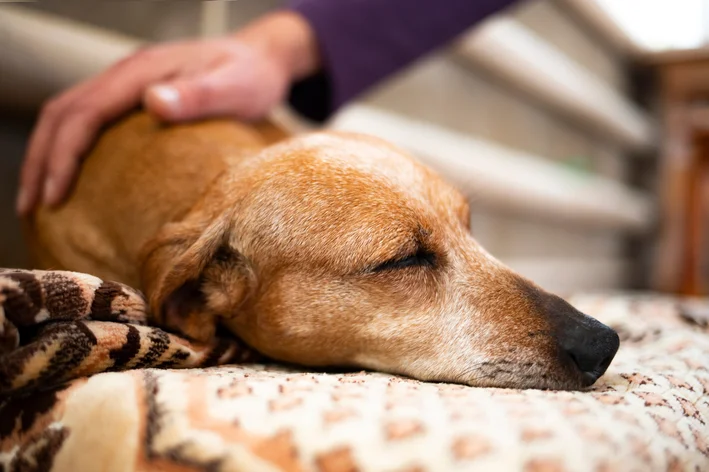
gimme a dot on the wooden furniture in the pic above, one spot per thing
(682, 261)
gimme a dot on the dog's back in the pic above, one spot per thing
(139, 176)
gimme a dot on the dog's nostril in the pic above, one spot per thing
(591, 366)
(591, 348)
(603, 366)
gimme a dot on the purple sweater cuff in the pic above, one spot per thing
(364, 41)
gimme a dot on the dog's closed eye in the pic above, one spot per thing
(421, 258)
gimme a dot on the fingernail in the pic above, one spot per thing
(22, 202)
(168, 96)
(50, 190)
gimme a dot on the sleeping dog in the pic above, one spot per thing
(325, 249)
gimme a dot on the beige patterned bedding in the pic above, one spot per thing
(648, 413)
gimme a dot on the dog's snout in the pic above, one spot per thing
(591, 345)
(584, 346)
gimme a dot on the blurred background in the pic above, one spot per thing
(577, 128)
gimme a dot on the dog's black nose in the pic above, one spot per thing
(585, 346)
(590, 344)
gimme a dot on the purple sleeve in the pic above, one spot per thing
(364, 41)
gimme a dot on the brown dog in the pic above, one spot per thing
(328, 249)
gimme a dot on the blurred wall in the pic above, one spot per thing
(439, 89)
(13, 135)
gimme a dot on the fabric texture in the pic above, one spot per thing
(364, 41)
(57, 326)
(648, 413)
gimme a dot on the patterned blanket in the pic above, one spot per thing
(57, 326)
(171, 412)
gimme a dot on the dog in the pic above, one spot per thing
(326, 249)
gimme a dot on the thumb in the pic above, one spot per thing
(218, 92)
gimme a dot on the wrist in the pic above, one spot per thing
(287, 39)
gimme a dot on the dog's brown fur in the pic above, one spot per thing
(281, 243)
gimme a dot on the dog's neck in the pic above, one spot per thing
(146, 175)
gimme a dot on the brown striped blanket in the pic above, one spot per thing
(168, 411)
(56, 326)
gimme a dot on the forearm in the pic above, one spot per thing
(333, 50)
(363, 41)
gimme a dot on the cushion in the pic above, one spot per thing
(648, 412)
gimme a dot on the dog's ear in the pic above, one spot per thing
(193, 277)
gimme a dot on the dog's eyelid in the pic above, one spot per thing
(423, 234)
(421, 257)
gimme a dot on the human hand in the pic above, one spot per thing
(242, 76)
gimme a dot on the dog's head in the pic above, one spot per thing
(341, 250)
